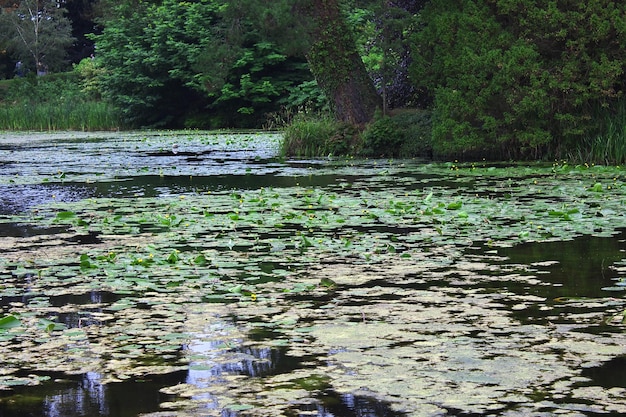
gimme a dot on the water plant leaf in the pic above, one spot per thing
(65, 215)
(9, 321)
(328, 283)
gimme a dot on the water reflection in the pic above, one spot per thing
(346, 405)
(87, 397)
(581, 267)
(214, 358)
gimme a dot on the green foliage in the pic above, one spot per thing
(90, 73)
(33, 90)
(404, 134)
(184, 64)
(258, 82)
(307, 97)
(514, 78)
(151, 77)
(319, 136)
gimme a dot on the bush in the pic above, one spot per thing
(404, 134)
(51, 88)
(518, 79)
(90, 72)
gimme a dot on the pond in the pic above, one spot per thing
(198, 273)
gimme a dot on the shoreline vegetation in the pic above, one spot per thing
(69, 102)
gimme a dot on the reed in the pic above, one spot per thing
(321, 135)
(608, 145)
(83, 115)
(53, 102)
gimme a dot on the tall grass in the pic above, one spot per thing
(83, 115)
(608, 145)
(53, 102)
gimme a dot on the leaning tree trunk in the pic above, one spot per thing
(337, 66)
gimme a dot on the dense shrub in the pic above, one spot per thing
(405, 134)
(515, 78)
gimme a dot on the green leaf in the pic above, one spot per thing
(201, 260)
(328, 283)
(173, 258)
(597, 188)
(65, 215)
(9, 322)
(236, 289)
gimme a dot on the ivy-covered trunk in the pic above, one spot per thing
(337, 66)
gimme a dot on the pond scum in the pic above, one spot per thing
(389, 280)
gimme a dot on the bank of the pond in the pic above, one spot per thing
(224, 280)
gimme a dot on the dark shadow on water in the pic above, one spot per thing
(610, 374)
(26, 230)
(582, 266)
(87, 397)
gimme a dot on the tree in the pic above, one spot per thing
(37, 33)
(148, 51)
(519, 79)
(82, 15)
(318, 30)
(246, 58)
(337, 65)
(383, 30)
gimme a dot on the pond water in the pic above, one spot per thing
(200, 274)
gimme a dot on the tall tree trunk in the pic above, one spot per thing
(337, 66)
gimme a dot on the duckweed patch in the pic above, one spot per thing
(430, 288)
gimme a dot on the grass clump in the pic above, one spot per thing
(308, 136)
(608, 145)
(404, 133)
